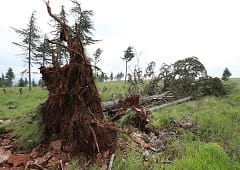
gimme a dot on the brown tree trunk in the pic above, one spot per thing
(73, 109)
(145, 100)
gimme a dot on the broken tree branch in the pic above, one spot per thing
(111, 162)
(94, 137)
(63, 25)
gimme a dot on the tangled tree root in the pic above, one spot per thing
(140, 117)
(73, 110)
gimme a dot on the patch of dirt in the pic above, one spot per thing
(53, 155)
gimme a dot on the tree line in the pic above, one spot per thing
(36, 47)
(6, 80)
(39, 51)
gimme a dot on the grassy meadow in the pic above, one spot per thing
(213, 143)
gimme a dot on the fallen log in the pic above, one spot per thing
(159, 98)
(170, 103)
(139, 118)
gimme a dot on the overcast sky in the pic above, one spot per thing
(163, 31)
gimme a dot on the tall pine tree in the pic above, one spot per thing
(128, 56)
(30, 39)
(43, 57)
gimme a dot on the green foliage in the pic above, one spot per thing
(226, 74)
(129, 54)
(149, 72)
(34, 83)
(111, 76)
(103, 77)
(126, 118)
(153, 86)
(209, 86)
(2, 129)
(188, 77)
(74, 165)
(92, 167)
(135, 81)
(43, 57)
(9, 77)
(180, 77)
(26, 81)
(83, 23)
(2, 80)
(30, 40)
(62, 53)
(119, 76)
(21, 82)
(187, 70)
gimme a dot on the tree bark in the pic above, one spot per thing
(29, 61)
(170, 103)
(160, 98)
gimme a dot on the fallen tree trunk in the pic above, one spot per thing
(159, 98)
(170, 103)
(139, 118)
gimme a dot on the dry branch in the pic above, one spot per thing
(111, 162)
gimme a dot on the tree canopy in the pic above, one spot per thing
(226, 74)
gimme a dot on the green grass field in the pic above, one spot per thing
(214, 143)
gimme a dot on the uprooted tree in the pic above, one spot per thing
(73, 110)
(188, 77)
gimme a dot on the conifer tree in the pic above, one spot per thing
(128, 56)
(30, 37)
(226, 74)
